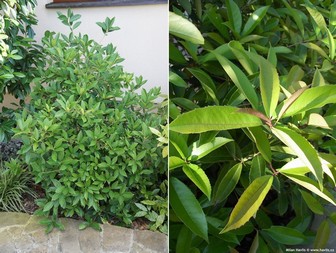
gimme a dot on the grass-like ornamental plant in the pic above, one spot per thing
(86, 133)
(15, 181)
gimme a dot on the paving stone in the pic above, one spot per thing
(39, 237)
(38, 249)
(15, 232)
(23, 243)
(89, 240)
(154, 241)
(21, 233)
(6, 243)
(53, 242)
(33, 224)
(8, 249)
(12, 219)
(68, 239)
(116, 239)
(138, 248)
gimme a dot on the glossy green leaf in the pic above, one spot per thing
(214, 225)
(180, 144)
(262, 142)
(7, 76)
(175, 55)
(48, 206)
(239, 79)
(213, 118)
(176, 80)
(175, 162)
(198, 152)
(186, 5)
(242, 57)
(318, 18)
(303, 149)
(173, 110)
(295, 14)
(199, 178)
(322, 235)
(262, 246)
(295, 74)
(251, 37)
(316, 48)
(187, 208)
(272, 57)
(227, 184)
(285, 235)
(269, 83)
(217, 21)
(206, 137)
(295, 167)
(184, 103)
(318, 79)
(332, 217)
(223, 50)
(312, 186)
(206, 82)
(254, 20)
(331, 43)
(331, 120)
(257, 168)
(316, 119)
(255, 244)
(191, 48)
(184, 29)
(312, 203)
(198, 8)
(332, 16)
(288, 102)
(298, 167)
(249, 202)
(234, 15)
(183, 243)
(315, 97)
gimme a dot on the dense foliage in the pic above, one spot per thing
(19, 55)
(86, 134)
(252, 132)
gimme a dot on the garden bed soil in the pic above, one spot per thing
(8, 150)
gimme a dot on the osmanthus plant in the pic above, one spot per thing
(19, 56)
(86, 135)
(252, 147)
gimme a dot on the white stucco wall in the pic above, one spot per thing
(142, 39)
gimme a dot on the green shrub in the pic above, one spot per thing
(19, 55)
(15, 181)
(252, 132)
(86, 133)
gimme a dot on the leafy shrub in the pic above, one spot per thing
(86, 133)
(15, 181)
(155, 208)
(7, 123)
(252, 137)
(19, 55)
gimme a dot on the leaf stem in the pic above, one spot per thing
(275, 172)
